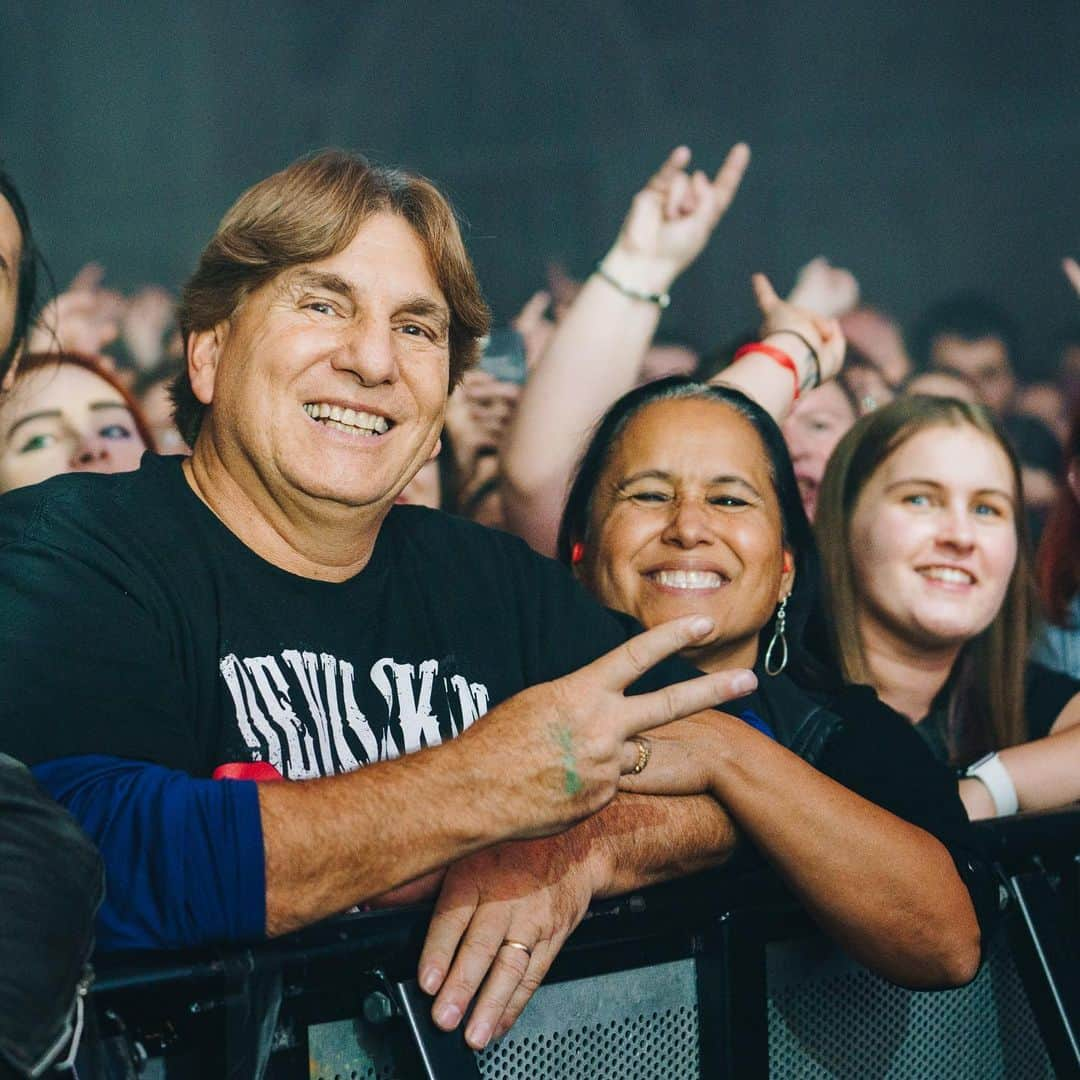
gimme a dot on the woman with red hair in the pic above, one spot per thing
(65, 413)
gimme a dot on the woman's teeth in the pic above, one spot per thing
(688, 579)
(347, 420)
(950, 574)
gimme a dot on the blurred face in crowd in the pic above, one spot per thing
(944, 385)
(329, 383)
(157, 409)
(10, 258)
(63, 418)
(423, 489)
(934, 540)
(983, 362)
(685, 520)
(815, 425)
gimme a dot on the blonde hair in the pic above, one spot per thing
(310, 211)
(986, 697)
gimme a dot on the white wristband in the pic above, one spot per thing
(990, 771)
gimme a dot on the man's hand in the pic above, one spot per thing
(672, 218)
(564, 744)
(778, 316)
(531, 892)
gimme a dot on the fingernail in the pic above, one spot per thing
(701, 626)
(447, 1016)
(430, 979)
(478, 1035)
(743, 682)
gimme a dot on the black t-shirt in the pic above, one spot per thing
(134, 623)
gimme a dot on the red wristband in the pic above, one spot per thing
(781, 357)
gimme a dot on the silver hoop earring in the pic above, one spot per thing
(777, 641)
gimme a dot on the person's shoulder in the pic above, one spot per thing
(72, 506)
(1046, 694)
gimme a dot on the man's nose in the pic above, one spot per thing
(369, 351)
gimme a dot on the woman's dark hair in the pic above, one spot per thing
(26, 286)
(797, 535)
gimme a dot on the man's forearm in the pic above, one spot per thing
(640, 840)
(338, 841)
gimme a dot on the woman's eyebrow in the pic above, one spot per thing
(739, 481)
(99, 405)
(42, 414)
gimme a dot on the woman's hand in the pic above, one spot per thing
(681, 759)
(780, 317)
(672, 218)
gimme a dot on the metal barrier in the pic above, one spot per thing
(721, 975)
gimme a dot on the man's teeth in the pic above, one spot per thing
(688, 579)
(355, 423)
(951, 574)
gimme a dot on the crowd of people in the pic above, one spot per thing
(800, 612)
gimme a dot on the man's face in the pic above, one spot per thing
(10, 257)
(984, 362)
(329, 382)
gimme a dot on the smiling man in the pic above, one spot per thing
(439, 695)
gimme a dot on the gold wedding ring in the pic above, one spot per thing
(643, 752)
(518, 945)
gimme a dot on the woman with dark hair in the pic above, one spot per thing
(685, 503)
(924, 543)
(1057, 570)
(64, 413)
(18, 274)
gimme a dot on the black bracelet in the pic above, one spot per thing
(813, 354)
(661, 300)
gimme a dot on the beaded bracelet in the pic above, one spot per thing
(661, 300)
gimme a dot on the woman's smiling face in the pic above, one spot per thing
(933, 538)
(685, 519)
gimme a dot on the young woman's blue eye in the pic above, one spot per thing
(987, 510)
(37, 442)
(115, 431)
(917, 500)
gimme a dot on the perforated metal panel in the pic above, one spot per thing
(632, 1025)
(355, 1050)
(830, 1018)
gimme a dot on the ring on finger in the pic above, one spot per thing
(518, 945)
(644, 750)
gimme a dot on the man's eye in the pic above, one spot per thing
(115, 431)
(649, 496)
(37, 442)
(322, 307)
(728, 500)
(414, 330)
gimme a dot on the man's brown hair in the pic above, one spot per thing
(986, 687)
(311, 211)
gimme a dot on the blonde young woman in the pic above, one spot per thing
(923, 542)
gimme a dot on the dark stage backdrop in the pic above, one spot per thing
(927, 146)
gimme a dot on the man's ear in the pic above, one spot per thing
(204, 349)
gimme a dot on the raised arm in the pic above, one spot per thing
(595, 352)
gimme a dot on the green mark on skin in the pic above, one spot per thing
(572, 781)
